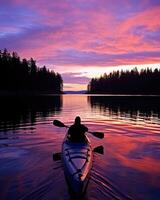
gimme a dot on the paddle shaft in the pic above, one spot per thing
(96, 134)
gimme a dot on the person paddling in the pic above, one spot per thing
(76, 132)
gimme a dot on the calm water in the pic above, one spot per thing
(129, 168)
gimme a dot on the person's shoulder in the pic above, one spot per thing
(72, 126)
(84, 126)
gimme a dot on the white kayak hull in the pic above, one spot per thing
(77, 160)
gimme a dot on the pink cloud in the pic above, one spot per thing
(82, 33)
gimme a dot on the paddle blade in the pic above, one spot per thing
(98, 134)
(56, 156)
(58, 123)
(99, 149)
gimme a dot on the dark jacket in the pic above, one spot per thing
(77, 132)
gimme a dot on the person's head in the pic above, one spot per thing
(77, 120)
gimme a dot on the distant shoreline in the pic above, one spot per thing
(47, 93)
(27, 93)
(125, 94)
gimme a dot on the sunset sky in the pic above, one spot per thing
(82, 38)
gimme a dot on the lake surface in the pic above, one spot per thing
(129, 168)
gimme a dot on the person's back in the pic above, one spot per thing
(77, 131)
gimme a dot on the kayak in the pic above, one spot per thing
(77, 158)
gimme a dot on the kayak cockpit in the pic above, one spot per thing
(77, 140)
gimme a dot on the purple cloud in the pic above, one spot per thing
(82, 33)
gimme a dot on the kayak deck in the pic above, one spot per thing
(77, 160)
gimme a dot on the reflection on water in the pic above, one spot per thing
(130, 107)
(17, 111)
(129, 168)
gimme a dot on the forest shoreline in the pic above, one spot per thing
(27, 93)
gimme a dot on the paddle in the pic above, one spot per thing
(59, 123)
(56, 156)
(99, 149)
(96, 134)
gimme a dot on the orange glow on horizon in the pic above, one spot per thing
(95, 72)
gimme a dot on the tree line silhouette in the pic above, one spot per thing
(24, 75)
(146, 81)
